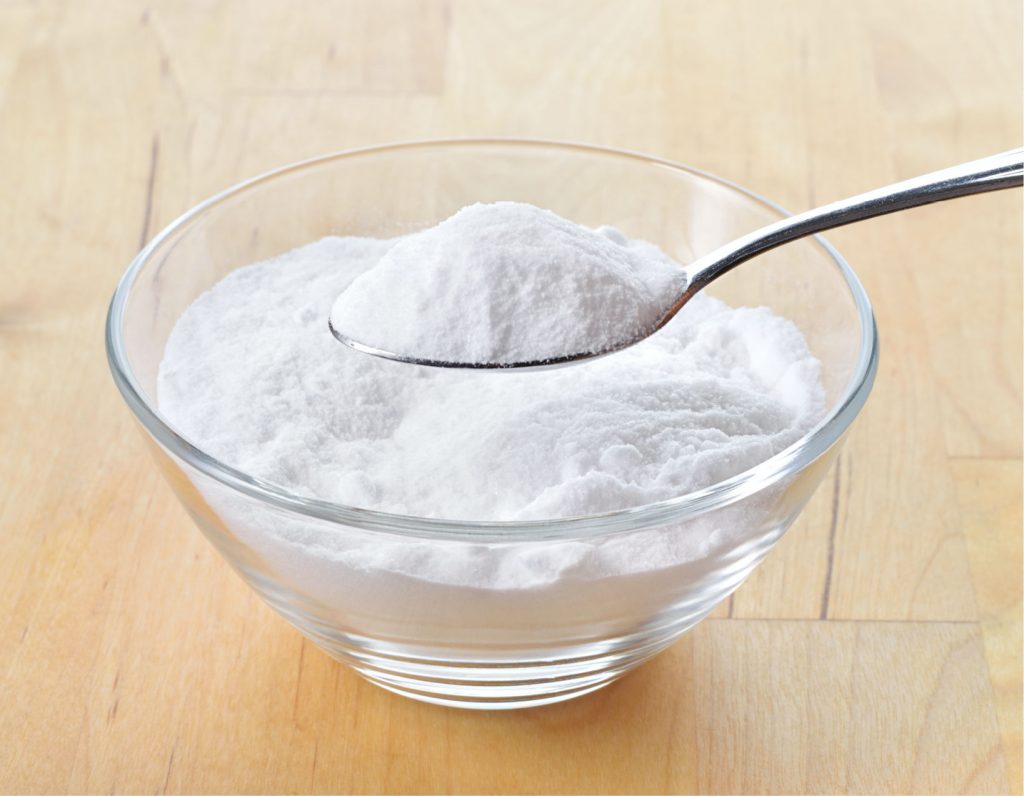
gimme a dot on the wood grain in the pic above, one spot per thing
(859, 707)
(990, 504)
(876, 650)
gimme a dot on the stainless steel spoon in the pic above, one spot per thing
(993, 173)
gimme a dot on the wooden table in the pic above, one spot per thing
(879, 647)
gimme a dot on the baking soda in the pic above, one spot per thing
(508, 282)
(252, 375)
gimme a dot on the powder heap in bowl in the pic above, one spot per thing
(252, 375)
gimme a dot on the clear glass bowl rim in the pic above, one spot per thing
(674, 510)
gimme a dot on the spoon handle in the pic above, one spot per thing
(993, 173)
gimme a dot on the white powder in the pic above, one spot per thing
(508, 282)
(252, 375)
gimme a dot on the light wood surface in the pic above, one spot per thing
(877, 650)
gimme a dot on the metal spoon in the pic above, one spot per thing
(993, 173)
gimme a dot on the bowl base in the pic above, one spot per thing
(492, 685)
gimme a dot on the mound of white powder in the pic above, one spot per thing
(252, 376)
(508, 282)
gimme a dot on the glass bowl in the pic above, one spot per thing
(510, 623)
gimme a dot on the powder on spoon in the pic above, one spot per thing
(508, 282)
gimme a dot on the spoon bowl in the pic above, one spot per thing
(526, 365)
